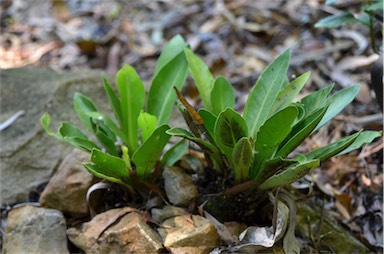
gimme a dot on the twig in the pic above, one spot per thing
(4, 125)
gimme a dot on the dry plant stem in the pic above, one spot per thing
(239, 188)
(275, 210)
(347, 184)
(318, 233)
(369, 151)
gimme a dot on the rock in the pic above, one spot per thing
(179, 187)
(35, 230)
(67, 189)
(189, 234)
(167, 212)
(235, 228)
(333, 236)
(30, 154)
(121, 230)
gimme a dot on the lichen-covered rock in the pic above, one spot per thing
(121, 230)
(179, 187)
(67, 189)
(189, 234)
(35, 230)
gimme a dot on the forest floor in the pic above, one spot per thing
(236, 39)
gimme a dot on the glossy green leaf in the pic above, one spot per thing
(222, 95)
(300, 114)
(72, 135)
(288, 94)
(272, 133)
(147, 124)
(132, 96)
(316, 100)
(363, 18)
(271, 167)
(171, 70)
(101, 172)
(242, 157)
(209, 121)
(103, 133)
(84, 105)
(365, 137)
(289, 175)
(84, 144)
(107, 141)
(202, 77)
(173, 48)
(45, 121)
(150, 151)
(162, 97)
(374, 6)
(111, 165)
(230, 127)
(330, 150)
(264, 93)
(337, 102)
(126, 158)
(172, 155)
(206, 147)
(336, 20)
(300, 132)
(69, 130)
(114, 101)
(112, 127)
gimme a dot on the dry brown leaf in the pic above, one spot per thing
(19, 56)
(343, 211)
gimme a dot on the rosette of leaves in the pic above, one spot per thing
(255, 146)
(130, 146)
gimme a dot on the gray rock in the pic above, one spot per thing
(35, 230)
(189, 234)
(179, 187)
(167, 212)
(27, 153)
(333, 235)
(67, 189)
(120, 230)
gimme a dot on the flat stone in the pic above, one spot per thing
(179, 187)
(67, 189)
(30, 154)
(121, 230)
(334, 236)
(189, 234)
(167, 212)
(35, 230)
